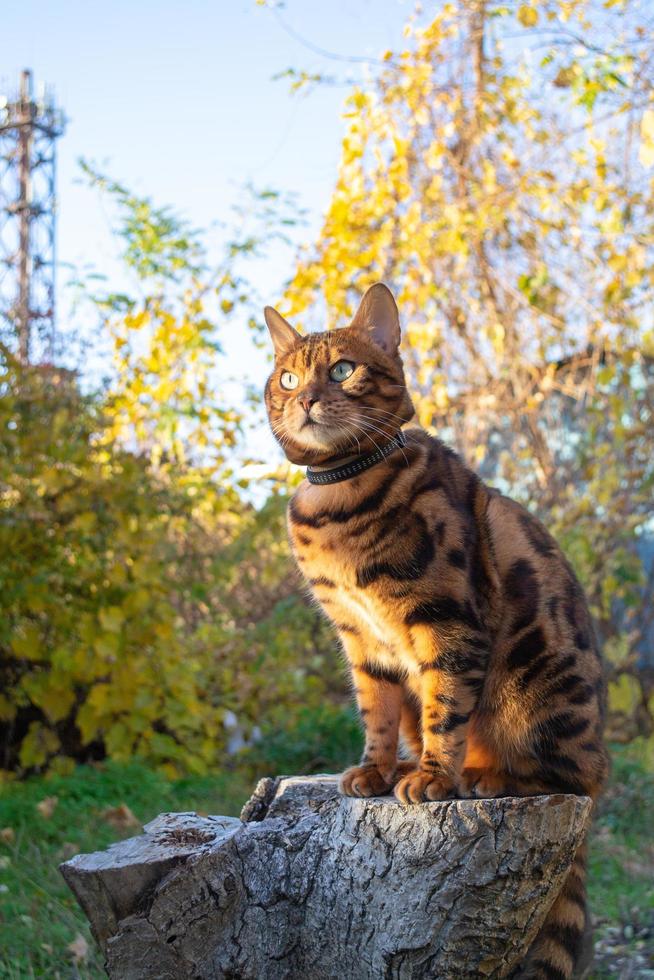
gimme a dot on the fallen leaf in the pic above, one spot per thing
(120, 817)
(79, 948)
(7, 835)
(47, 806)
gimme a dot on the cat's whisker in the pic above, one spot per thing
(354, 437)
(370, 408)
(382, 416)
(356, 424)
(375, 425)
(371, 425)
(375, 428)
(280, 432)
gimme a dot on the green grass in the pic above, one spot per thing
(621, 879)
(324, 740)
(39, 917)
(38, 914)
(622, 854)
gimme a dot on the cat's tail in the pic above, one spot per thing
(563, 949)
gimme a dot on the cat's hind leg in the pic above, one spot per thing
(483, 775)
(483, 784)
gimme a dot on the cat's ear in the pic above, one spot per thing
(283, 335)
(378, 317)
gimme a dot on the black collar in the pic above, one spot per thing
(339, 473)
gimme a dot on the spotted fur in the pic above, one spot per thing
(467, 634)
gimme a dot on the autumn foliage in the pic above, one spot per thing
(497, 173)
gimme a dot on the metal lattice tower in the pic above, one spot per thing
(29, 129)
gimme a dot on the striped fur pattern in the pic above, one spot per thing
(467, 634)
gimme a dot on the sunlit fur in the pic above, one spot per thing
(349, 417)
(466, 631)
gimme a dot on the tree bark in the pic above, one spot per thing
(314, 885)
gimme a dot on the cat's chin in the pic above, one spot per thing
(303, 453)
(315, 442)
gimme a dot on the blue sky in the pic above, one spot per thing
(176, 100)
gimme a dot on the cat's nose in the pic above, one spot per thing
(306, 401)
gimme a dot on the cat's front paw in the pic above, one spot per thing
(420, 786)
(366, 780)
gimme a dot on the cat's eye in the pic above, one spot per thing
(341, 370)
(289, 380)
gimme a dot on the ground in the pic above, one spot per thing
(46, 820)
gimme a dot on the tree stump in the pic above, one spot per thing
(314, 885)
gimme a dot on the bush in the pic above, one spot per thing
(138, 605)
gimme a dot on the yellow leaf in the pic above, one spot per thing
(425, 415)
(497, 334)
(52, 694)
(57, 702)
(84, 522)
(97, 697)
(38, 746)
(137, 600)
(136, 321)
(624, 694)
(106, 646)
(111, 619)
(26, 642)
(527, 15)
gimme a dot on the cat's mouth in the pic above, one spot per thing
(311, 423)
(317, 428)
(317, 433)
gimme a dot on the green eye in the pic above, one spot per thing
(341, 370)
(289, 380)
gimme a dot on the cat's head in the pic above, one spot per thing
(341, 392)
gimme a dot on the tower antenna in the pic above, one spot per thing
(29, 129)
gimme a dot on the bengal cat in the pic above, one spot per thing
(467, 634)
